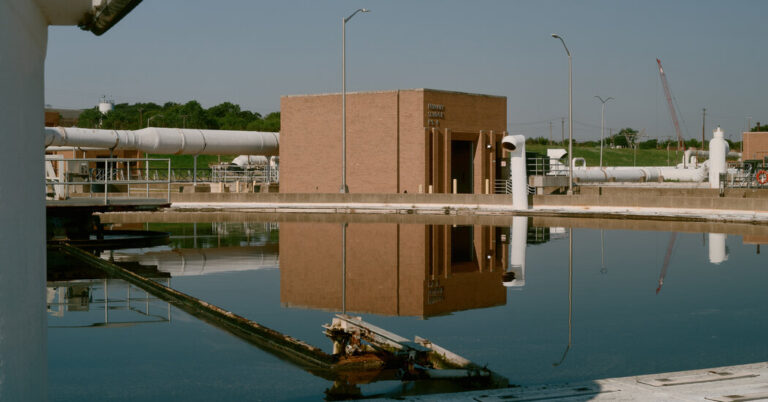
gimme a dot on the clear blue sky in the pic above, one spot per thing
(252, 52)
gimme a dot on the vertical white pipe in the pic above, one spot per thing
(515, 144)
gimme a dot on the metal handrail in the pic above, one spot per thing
(110, 174)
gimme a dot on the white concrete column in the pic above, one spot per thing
(23, 362)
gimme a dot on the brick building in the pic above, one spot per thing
(397, 141)
(754, 145)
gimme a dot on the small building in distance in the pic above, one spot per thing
(754, 145)
(61, 117)
(415, 140)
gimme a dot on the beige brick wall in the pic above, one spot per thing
(386, 141)
(755, 145)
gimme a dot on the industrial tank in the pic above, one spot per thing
(718, 149)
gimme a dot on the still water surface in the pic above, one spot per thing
(607, 317)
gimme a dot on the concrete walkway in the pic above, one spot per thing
(715, 215)
(747, 382)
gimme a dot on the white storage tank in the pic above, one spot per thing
(718, 149)
(106, 106)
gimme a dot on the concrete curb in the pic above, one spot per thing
(715, 215)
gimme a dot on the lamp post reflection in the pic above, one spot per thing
(603, 269)
(570, 297)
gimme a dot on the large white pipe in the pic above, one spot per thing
(645, 173)
(690, 153)
(616, 174)
(698, 174)
(161, 140)
(515, 274)
(515, 144)
(718, 149)
(250, 160)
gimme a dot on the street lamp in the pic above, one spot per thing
(602, 126)
(344, 188)
(570, 116)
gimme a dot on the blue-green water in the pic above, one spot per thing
(705, 315)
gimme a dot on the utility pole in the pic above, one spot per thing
(703, 123)
(140, 117)
(550, 132)
(562, 124)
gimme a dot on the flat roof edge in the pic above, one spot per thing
(393, 91)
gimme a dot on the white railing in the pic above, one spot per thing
(66, 176)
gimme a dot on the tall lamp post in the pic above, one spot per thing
(570, 116)
(602, 126)
(344, 188)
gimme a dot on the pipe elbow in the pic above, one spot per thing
(512, 142)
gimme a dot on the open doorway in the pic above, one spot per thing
(462, 158)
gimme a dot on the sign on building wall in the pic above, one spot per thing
(435, 113)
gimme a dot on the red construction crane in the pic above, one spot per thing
(680, 142)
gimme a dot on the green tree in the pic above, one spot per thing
(224, 116)
(629, 134)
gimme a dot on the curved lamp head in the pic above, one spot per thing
(359, 10)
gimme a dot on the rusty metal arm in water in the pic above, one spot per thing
(291, 350)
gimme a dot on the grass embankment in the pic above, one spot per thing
(187, 161)
(617, 157)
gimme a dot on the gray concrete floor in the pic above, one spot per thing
(747, 382)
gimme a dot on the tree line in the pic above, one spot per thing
(225, 116)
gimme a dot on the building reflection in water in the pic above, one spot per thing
(398, 269)
(102, 303)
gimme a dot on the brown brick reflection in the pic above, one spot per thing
(392, 269)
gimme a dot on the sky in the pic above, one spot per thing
(253, 52)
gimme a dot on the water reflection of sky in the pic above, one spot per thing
(705, 315)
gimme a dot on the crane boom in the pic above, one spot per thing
(680, 142)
